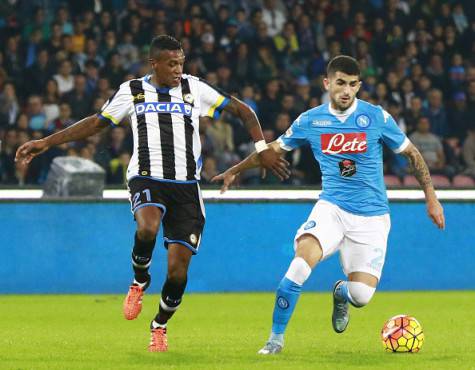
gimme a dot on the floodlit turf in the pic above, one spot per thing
(224, 331)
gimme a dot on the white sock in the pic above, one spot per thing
(298, 271)
(156, 325)
(139, 284)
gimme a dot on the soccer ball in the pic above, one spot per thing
(402, 333)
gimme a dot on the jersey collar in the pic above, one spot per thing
(162, 90)
(343, 115)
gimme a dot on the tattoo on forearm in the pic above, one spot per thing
(419, 167)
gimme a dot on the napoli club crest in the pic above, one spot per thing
(309, 225)
(363, 121)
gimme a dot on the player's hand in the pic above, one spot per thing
(436, 213)
(272, 160)
(227, 177)
(30, 150)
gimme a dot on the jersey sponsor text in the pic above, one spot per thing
(353, 142)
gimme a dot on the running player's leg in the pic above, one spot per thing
(182, 228)
(362, 257)
(148, 208)
(307, 255)
(179, 258)
(316, 239)
(148, 223)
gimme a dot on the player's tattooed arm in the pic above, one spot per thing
(422, 174)
(419, 167)
(80, 130)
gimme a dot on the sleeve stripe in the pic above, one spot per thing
(108, 117)
(217, 107)
(403, 146)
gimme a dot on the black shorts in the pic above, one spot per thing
(183, 216)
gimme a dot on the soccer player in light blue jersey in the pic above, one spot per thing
(352, 214)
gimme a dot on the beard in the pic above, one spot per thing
(342, 106)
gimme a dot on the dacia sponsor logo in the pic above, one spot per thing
(166, 107)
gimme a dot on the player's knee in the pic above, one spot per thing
(177, 276)
(360, 293)
(147, 231)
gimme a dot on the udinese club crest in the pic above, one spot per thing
(188, 98)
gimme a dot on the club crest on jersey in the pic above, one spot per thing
(363, 121)
(188, 98)
(351, 142)
(139, 96)
(163, 107)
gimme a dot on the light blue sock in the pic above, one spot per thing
(287, 296)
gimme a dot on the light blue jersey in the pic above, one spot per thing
(348, 147)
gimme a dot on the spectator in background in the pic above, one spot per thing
(78, 99)
(65, 78)
(302, 96)
(264, 65)
(36, 114)
(459, 116)
(51, 100)
(242, 64)
(436, 113)
(92, 76)
(9, 107)
(273, 17)
(269, 105)
(117, 169)
(248, 97)
(89, 55)
(37, 75)
(429, 145)
(469, 151)
(63, 120)
(412, 115)
(7, 157)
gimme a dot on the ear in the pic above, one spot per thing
(326, 83)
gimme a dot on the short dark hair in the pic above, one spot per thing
(163, 42)
(345, 64)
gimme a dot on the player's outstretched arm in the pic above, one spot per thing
(252, 161)
(80, 130)
(421, 172)
(269, 159)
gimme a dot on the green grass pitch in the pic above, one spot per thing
(224, 331)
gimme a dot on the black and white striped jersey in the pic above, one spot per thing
(165, 125)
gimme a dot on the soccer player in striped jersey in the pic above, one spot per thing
(164, 109)
(346, 136)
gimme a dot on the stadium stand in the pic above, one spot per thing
(60, 61)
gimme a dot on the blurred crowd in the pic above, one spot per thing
(60, 61)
